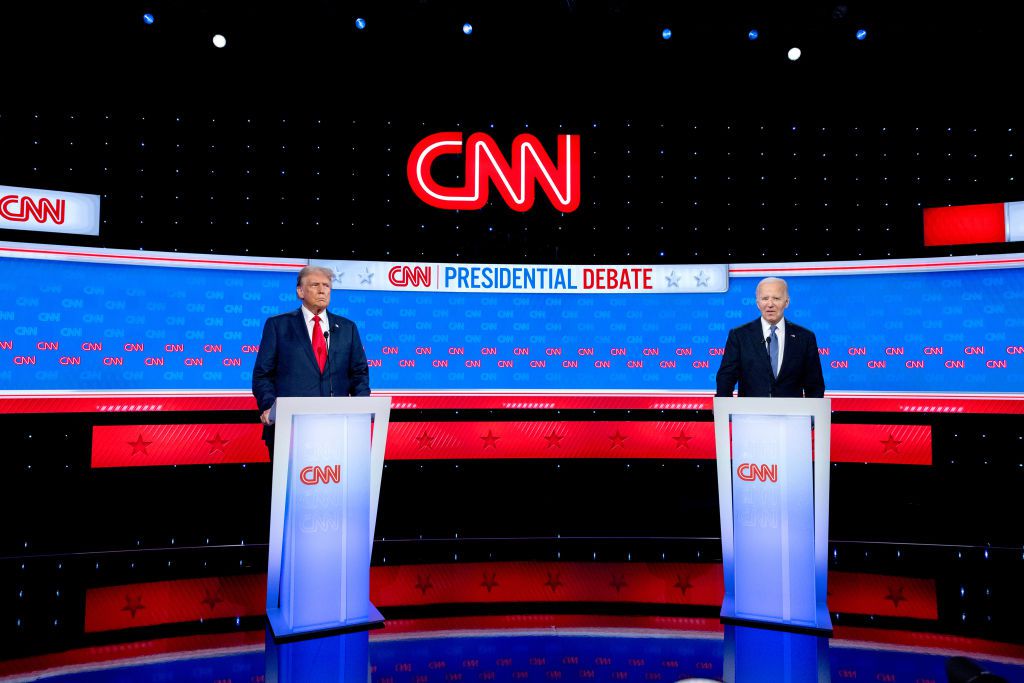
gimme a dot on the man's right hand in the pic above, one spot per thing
(265, 417)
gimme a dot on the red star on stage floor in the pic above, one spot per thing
(490, 439)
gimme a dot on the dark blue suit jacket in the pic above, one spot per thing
(286, 366)
(746, 361)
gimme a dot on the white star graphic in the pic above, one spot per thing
(366, 278)
(672, 279)
(702, 279)
(338, 274)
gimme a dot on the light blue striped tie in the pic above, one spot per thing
(773, 352)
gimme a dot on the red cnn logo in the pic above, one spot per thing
(21, 209)
(750, 472)
(320, 475)
(484, 162)
(404, 276)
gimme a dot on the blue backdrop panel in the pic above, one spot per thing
(75, 325)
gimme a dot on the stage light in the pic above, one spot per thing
(861, 34)
(360, 23)
(793, 54)
(752, 34)
(666, 34)
(467, 28)
(219, 41)
(148, 18)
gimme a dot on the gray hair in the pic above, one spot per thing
(309, 270)
(772, 280)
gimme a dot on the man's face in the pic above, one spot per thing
(772, 300)
(315, 291)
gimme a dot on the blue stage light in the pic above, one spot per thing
(861, 34)
(148, 18)
(360, 23)
(666, 34)
(752, 34)
(467, 28)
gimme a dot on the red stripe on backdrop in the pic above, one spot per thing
(156, 403)
(885, 596)
(177, 444)
(841, 402)
(599, 439)
(167, 602)
(882, 444)
(171, 602)
(489, 582)
(972, 224)
(205, 444)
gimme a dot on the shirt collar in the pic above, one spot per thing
(766, 327)
(307, 315)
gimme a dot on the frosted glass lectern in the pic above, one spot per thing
(328, 462)
(773, 480)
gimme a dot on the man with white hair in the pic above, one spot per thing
(771, 356)
(309, 351)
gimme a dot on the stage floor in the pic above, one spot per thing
(542, 610)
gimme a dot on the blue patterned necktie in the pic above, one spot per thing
(773, 352)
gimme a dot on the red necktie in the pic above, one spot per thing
(319, 343)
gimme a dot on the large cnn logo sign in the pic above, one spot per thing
(515, 180)
(20, 209)
(23, 208)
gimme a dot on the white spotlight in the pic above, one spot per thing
(793, 54)
(219, 41)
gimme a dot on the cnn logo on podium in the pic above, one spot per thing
(751, 472)
(320, 474)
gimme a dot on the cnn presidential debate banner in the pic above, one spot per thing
(89, 319)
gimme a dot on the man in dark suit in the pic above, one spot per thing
(771, 356)
(309, 351)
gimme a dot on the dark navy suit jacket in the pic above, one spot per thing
(286, 366)
(746, 361)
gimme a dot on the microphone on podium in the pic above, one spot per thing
(327, 363)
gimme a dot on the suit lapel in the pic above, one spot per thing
(794, 348)
(333, 327)
(299, 326)
(758, 341)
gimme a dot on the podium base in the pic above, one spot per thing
(778, 626)
(282, 633)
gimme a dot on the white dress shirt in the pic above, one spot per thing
(308, 315)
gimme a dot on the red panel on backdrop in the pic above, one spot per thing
(180, 444)
(484, 582)
(170, 602)
(191, 444)
(885, 596)
(972, 224)
(1010, 404)
(167, 602)
(599, 439)
(882, 444)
